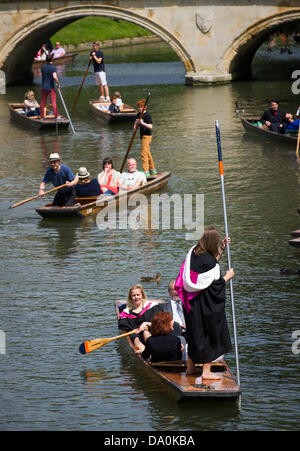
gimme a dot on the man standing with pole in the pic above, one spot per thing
(49, 76)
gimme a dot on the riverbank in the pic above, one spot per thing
(138, 40)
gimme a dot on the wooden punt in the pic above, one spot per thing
(100, 109)
(184, 387)
(89, 206)
(67, 58)
(295, 242)
(35, 122)
(250, 125)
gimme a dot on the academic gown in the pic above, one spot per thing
(129, 320)
(207, 331)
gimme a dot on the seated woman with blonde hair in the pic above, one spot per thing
(138, 314)
(162, 344)
(31, 105)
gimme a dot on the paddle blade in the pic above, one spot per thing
(92, 345)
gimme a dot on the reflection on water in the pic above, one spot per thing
(61, 278)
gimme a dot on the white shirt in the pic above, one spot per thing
(56, 53)
(131, 178)
(177, 310)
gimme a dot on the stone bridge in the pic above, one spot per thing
(215, 39)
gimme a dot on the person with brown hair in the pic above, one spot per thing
(162, 344)
(202, 291)
(146, 125)
(109, 179)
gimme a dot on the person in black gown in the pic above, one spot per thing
(202, 291)
(138, 315)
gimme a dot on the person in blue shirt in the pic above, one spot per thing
(292, 125)
(49, 76)
(86, 187)
(60, 174)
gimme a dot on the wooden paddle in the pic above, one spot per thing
(82, 83)
(134, 133)
(35, 197)
(92, 345)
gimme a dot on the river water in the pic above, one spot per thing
(60, 278)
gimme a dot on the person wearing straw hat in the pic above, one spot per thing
(86, 187)
(60, 174)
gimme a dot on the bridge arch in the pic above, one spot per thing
(238, 56)
(24, 41)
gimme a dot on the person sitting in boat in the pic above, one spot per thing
(138, 314)
(60, 174)
(119, 101)
(133, 178)
(42, 53)
(86, 187)
(31, 105)
(58, 51)
(109, 178)
(274, 118)
(113, 107)
(292, 125)
(162, 344)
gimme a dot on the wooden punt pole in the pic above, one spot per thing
(227, 247)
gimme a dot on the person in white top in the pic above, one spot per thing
(133, 178)
(58, 51)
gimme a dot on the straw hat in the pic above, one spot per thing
(54, 156)
(83, 173)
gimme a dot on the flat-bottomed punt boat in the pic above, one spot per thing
(67, 58)
(17, 113)
(100, 110)
(89, 206)
(250, 124)
(184, 387)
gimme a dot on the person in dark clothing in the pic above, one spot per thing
(60, 174)
(138, 315)
(97, 58)
(146, 125)
(86, 187)
(162, 343)
(49, 76)
(202, 291)
(274, 118)
(113, 107)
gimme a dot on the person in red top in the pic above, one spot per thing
(109, 179)
(274, 118)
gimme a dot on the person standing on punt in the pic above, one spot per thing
(202, 291)
(96, 56)
(146, 125)
(60, 174)
(49, 76)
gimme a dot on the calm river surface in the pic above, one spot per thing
(59, 279)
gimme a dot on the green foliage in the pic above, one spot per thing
(89, 29)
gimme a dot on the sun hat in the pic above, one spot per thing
(54, 156)
(83, 173)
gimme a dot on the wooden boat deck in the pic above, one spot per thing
(17, 114)
(100, 109)
(67, 58)
(190, 387)
(249, 125)
(89, 206)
